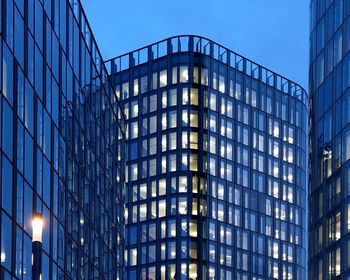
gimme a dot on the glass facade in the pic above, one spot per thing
(216, 164)
(60, 127)
(329, 201)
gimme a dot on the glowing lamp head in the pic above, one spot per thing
(37, 224)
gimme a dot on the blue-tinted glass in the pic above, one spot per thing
(46, 182)
(45, 266)
(20, 5)
(38, 72)
(27, 258)
(19, 253)
(7, 129)
(7, 74)
(6, 241)
(30, 59)
(29, 108)
(20, 93)
(133, 151)
(9, 22)
(47, 135)
(28, 158)
(19, 36)
(7, 186)
(19, 200)
(20, 147)
(39, 24)
(28, 206)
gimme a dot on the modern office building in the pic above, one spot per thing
(216, 164)
(59, 156)
(329, 187)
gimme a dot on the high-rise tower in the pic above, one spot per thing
(216, 164)
(329, 188)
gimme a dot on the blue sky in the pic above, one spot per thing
(274, 33)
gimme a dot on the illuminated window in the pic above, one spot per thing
(172, 97)
(143, 191)
(184, 162)
(164, 164)
(153, 103)
(182, 206)
(125, 90)
(163, 229)
(174, 75)
(134, 130)
(275, 250)
(194, 119)
(185, 96)
(193, 228)
(229, 130)
(204, 76)
(152, 167)
(172, 141)
(184, 117)
(215, 80)
(184, 140)
(163, 78)
(183, 74)
(164, 100)
(164, 146)
(153, 210)
(153, 146)
(133, 173)
(182, 184)
(212, 145)
(195, 75)
(171, 228)
(194, 140)
(194, 206)
(212, 102)
(161, 208)
(164, 121)
(172, 119)
(212, 252)
(212, 123)
(133, 256)
(222, 84)
(193, 162)
(136, 87)
(162, 253)
(134, 109)
(162, 187)
(194, 96)
(153, 124)
(143, 212)
(172, 163)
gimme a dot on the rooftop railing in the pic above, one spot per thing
(201, 45)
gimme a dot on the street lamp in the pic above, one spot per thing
(37, 244)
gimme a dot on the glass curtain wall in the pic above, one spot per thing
(215, 164)
(329, 201)
(59, 151)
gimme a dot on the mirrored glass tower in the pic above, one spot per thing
(216, 164)
(329, 186)
(59, 156)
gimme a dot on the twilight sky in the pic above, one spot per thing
(274, 33)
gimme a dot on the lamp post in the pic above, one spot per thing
(37, 225)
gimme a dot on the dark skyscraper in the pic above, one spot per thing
(329, 201)
(216, 164)
(59, 155)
